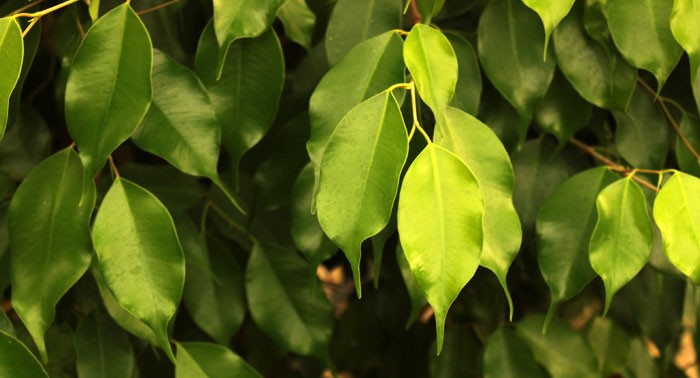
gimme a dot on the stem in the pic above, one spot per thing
(45, 11)
(414, 108)
(157, 7)
(28, 6)
(113, 167)
(415, 13)
(30, 26)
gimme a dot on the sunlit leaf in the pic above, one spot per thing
(299, 22)
(12, 52)
(467, 94)
(551, 12)
(103, 349)
(17, 361)
(686, 30)
(205, 360)
(506, 356)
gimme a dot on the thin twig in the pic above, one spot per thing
(415, 13)
(28, 6)
(45, 11)
(157, 7)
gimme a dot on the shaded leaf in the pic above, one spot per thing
(610, 344)
(6, 324)
(467, 94)
(205, 360)
(418, 300)
(641, 364)
(102, 348)
(551, 12)
(17, 361)
(506, 356)
(26, 143)
(690, 127)
(462, 356)
(686, 30)
(299, 22)
(175, 189)
(428, 9)
(562, 112)
(31, 46)
(12, 51)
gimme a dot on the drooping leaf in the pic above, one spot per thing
(48, 224)
(562, 112)
(462, 357)
(17, 361)
(642, 33)
(418, 300)
(31, 46)
(94, 9)
(551, 12)
(467, 94)
(622, 239)
(360, 174)
(433, 65)
(686, 30)
(299, 22)
(109, 86)
(690, 127)
(354, 21)
(12, 52)
(506, 356)
(26, 143)
(103, 349)
(440, 227)
(677, 213)
(140, 256)
(610, 344)
(206, 360)
(285, 304)
(483, 152)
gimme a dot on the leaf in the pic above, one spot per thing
(562, 112)
(94, 9)
(206, 360)
(440, 227)
(26, 143)
(690, 127)
(483, 152)
(418, 301)
(462, 355)
(140, 256)
(109, 86)
(467, 93)
(564, 226)
(48, 224)
(600, 77)
(433, 65)
(622, 239)
(6, 324)
(642, 33)
(677, 213)
(509, 32)
(31, 46)
(506, 356)
(175, 189)
(299, 22)
(551, 12)
(379, 243)
(102, 348)
(556, 349)
(686, 31)
(17, 361)
(285, 304)
(641, 364)
(12, 51)
(610, 344)
(360, 174)
(354, 21)
(428, 9)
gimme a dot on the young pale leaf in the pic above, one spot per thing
(354, 21)
(562, 112)
(103, 349)
(686, 30)
(17, 361)
(690, 127)
(140, 256)
(677, 213)
(642, 33)
(206, 360)
(467, 94)
(610, 344)
(551, 12)
(506, 356)
(12, 53)
(622, 239)
(49, 230)
(509, 32)
(418, 301)
(285, 304)
(483, 152)
(432, 62)
(440, 227)
(109, 87)
(299, 22)
(360, 174)
(564, 226)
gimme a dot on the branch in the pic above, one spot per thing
(415, 13)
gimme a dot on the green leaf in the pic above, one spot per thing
(428, 9)
(31, 46)
(299, 22)
(285, 304)
(600, 77)
(690, 127)
(562, 351)
(103, 349)
(562, 112)
(551, 12)
(483, 152)
(206, 360)
(467, 93)
(175, 189)
(354, 21)
(506, 356)
(26, 143)
(360, 174)
(564, 226)
(48, 224)
(622, 239)
(418, 301)
(6, 324)
(379, 242)
(440, 227)
(432, 62)
(686, 30)
(642, 33)
(510, 32)
(677, 213)
(462, 357)
(17, 361)
(94, 9)
(610, 344)
(641, 364)
(109, 86)
(12, 52)
(140, 256)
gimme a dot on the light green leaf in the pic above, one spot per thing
(602, 78)
(418, 300)
(690, 127)
(483, 152)
(564, 226)
(622, 239)
(440, 227)
(206, 360)
(17, 361)
(686, 30)
(506, 356)
(103, 349)
(360, 174)
(285, 304)
(677, 213)
(610, 344)
(48, 224)
(140, 256)
(551, 12)
(109, 86)
(510, 32)
(299, 22)
(562, 112)
(467, 95)
(12, 52)
(31, 46)
(642, 33)
(354, 21)
(94, 9)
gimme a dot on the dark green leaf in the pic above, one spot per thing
(462, 355)
(298, 21)
(686, 30)
(467, 94)
(12, 52)
(506, 356)
(690, 127)
(31, 45)
(428, 9)
(418, 300)
(103, 349)
(175, 189)
(562, 112)
(641, 364)
(26, 143)
(17, 361)
(205, 360)
(6, 324)
(610, 344)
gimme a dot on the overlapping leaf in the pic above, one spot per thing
(686, 30)
(688, 163)
(428, 9)
(299, 22)
(610, 344)
(205, 360)
(103, 350)
(414, 292)
(506, 356)
(562, 112)
(467, 95)
(17, 361)
(551, 12)
(12, 52)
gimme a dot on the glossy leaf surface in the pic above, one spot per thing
(17, 361)
(206, 360)
(507, 356)
(686, 30)
(102, 348)
(551, 12)
(12, 53)
(299, 22)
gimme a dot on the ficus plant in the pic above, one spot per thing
(352, 188)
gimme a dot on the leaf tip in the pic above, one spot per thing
(548, 318)
(440, 328)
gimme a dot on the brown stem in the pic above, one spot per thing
(415, 13)
(157, 7)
